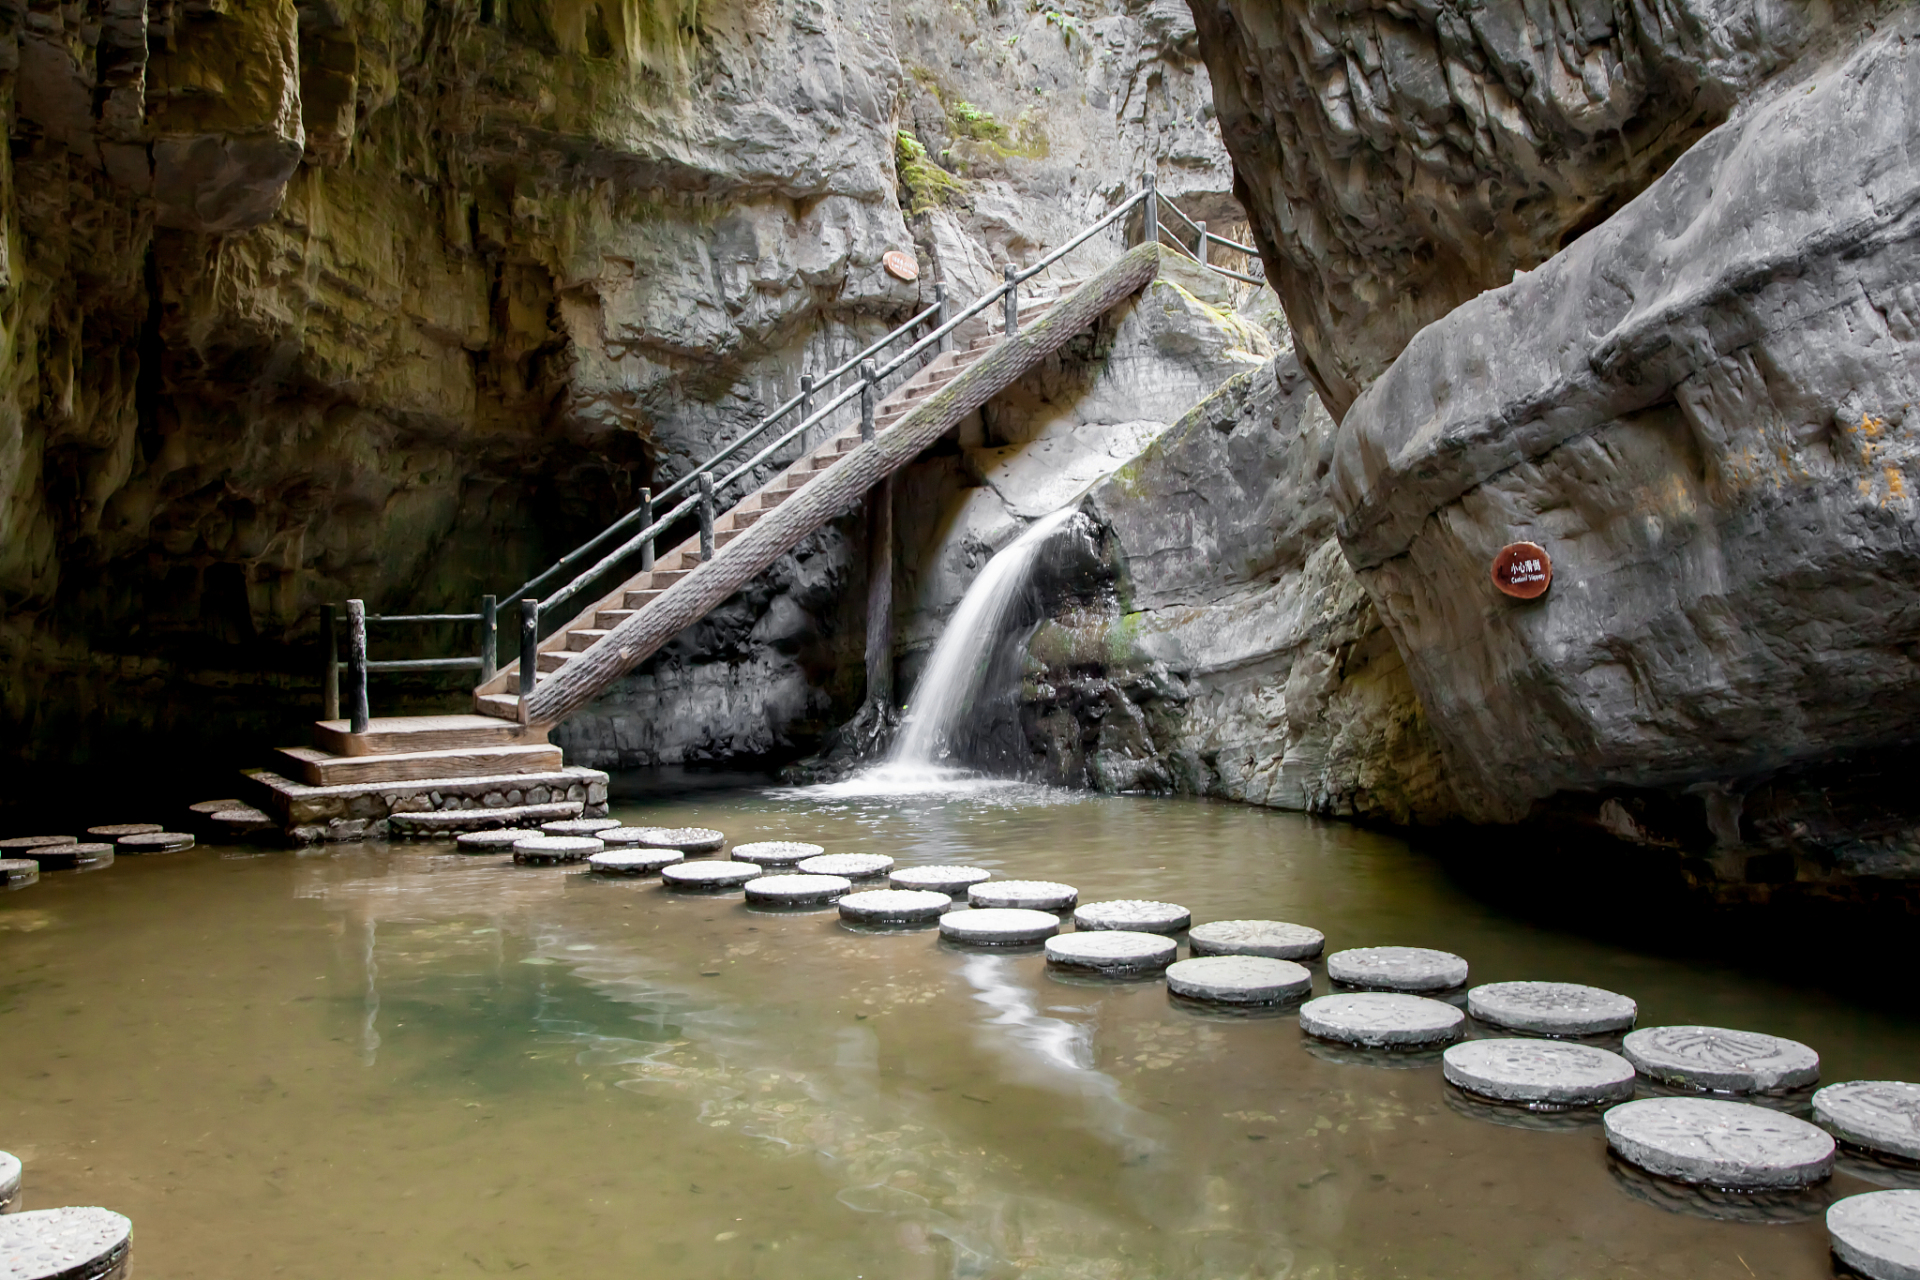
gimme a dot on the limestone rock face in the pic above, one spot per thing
(1399, 158)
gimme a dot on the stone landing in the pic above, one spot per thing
(436, 806)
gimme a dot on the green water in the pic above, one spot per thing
(395, 1061)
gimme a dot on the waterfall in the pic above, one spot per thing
(959, 664)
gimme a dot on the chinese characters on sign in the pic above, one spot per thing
(1523, 570)
(901, 265)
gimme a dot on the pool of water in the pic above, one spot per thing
(397, 1061)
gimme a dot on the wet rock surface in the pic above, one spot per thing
(65, 1244)
(1381, 1020)
(1878, 1234)
(1880, 1115)
(951, 880)
(1133, 914)
(1536, 1073)
(797, 890)
(998, 927)
(1112, 951)
(1552, 1008)
(1036, 895)
(1721, 1059)
(1720, 1144)
(1239, 980)
(894, 906)
(1273, 938)
(1397, 969)
(709, 877)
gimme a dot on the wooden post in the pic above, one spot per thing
(1150, 214)
(1202, 255)
(940, 319)
(1012, 300)
(357, 666)
(880, 595)
(866, 399)
(329, 665)
(489, 638)
(529, 652)
(706, 515)
(646, 518)
(806, 403)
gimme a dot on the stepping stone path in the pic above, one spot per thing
(1271, 938)
(1382, 1020)
(65, 1244)
(9, 1179)
(1397, 969)
(1880, 1115)
(1027, 895)
(1733, 1145)
(578, 826)
(1715, 1058)
(500, 841)
(1552, 1008)
(998, 926)
(1539, 1073)
(1239, 980)
(854, 866)
(776, 853)
(1878, 1234)
(692, 841)
(797, 891)
(1112, 951)
(547, 851)
(1133, 915)
(894, 906)
(67, 857)
(118, 829)
(155, 842)
(7, 847)
(948, 880)
(18, 873)
(633, 862)
(709, 877)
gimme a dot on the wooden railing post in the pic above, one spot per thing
(1150, 214)
(489, 638)
(940, 319)
(357, 714)
(1012, 300)
(1202, 255)
(646, 518)
(866, 399)
(706, 515)
(529, 651)
(806, 403)
(329, 665)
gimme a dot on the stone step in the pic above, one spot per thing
(439, 823)
(504, 705)
(608, 619)
(552, 660)
(319, 769)
(393, 735)
(583, 639)
(664, 578)
(640, 599)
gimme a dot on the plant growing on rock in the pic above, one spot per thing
(928, 186)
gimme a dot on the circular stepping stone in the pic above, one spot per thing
(1878, 1234)
(578, 826)
(949, 880)
(1539, 1073)
(796, 891)
(1397, 969)
(1133, 915)
(1552, 1008)
(1719, 1144)
(633, 862)
(776, 853)
(64, 1244)
(998, 927)
(1880, 1115)
(241, 820)
(692, 841)
(1026, 895)
(499, 840)
(119, 829)
(546, 851)
(9, 1179)
(1721, 1060)
(894, 906)
(1381, 1020)
(89, 855)
(1271, 938)
(207, 808)
(18, 873)
(155, 842)
(854, 866)
(34, 842)
(709, 877)
(1112, 951)
(1239, 980)
(64, 857)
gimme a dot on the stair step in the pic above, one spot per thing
(554, 659)
(504, 705)
(664, 578)
(323, 769)
(584, 639)
(640, 599)
(608, 619)
(393, 735)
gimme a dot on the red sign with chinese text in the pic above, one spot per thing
(1523, 570)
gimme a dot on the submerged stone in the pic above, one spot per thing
(578, 826)
(1397, 969)
(64, 1244)
(9, 1180)
(1027, 895)
(155, 842)
(633, 862)
(1381, 1020)
(1539, 1072)
(1722, 1060)
(1880, 1115)
(1552, 1008)
(18, 873)
(709, 877)
(1112, 951)
(500, 841)
(797, 890)
(1134, 915)
(776, 853)
(854, 866)
(1239, 980)
(1721, 1144)
(691, 841)
(998, 926)
(941, 879)
(895, 906)
(549, 850)
(1272, 938)
(118, 829)
(1878, 1234)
